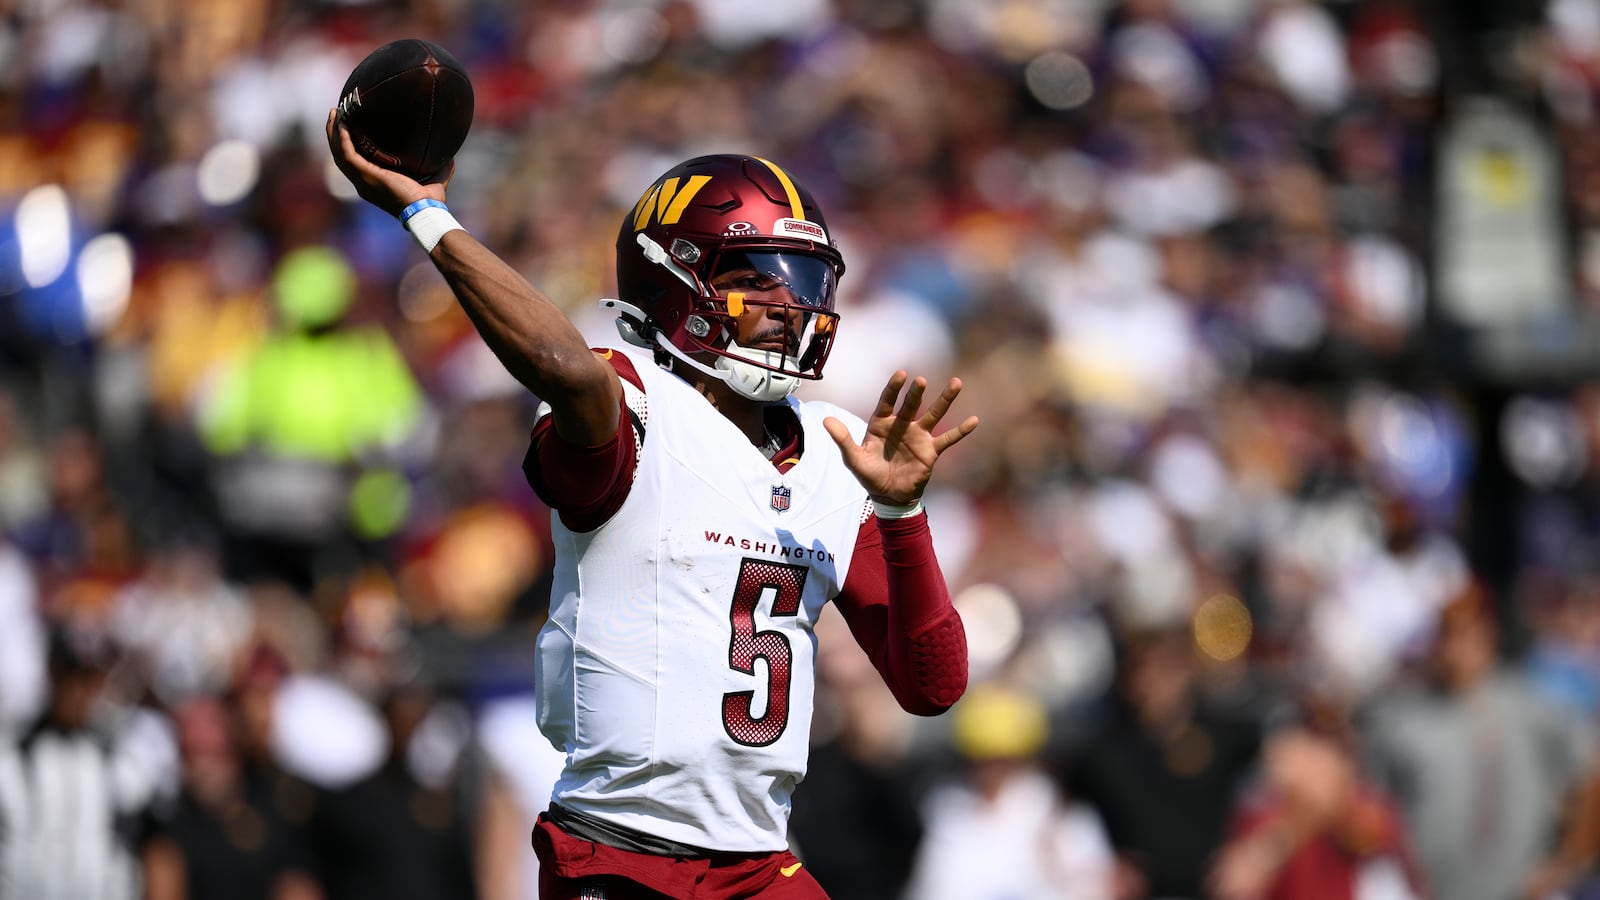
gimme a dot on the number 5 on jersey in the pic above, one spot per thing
(756, 578)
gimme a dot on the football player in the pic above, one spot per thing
(703, 519)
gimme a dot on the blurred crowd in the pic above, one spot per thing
(1269, 592)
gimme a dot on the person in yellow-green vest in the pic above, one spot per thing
(304, 427)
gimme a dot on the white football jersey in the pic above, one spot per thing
(676, 668)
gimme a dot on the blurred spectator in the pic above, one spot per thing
(76, 790)
(405, 831)
(1563, 618)
(1165, 770)
(227, 836)
(182, 625)
(23, 677)
(23, 495)
(1576, 861)
(304, 427)
(252, 699)
(1315, 828)
(1485, 768)
(84, 542)
(1002, 829)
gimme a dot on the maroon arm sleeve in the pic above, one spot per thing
(585, 485)
(897, 606)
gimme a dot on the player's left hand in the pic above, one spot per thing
(895, 459)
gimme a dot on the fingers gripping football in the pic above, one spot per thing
(896, 457)
(386, 189)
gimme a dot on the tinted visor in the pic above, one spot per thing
(810, 279)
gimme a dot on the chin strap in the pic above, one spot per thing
(753, 381)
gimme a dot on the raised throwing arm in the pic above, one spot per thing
(528, 333)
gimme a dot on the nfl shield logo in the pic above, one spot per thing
(780, 497)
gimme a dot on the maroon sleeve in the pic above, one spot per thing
(897, 606)
(585, 485)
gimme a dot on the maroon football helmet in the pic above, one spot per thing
(716, 215)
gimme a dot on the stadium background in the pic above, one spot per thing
(1280, 316)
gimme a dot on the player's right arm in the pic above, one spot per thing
(527, 332)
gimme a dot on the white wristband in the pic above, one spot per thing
(892, 511)
(430, 224)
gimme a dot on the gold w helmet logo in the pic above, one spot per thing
(665, 202)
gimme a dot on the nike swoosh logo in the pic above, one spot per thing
(788, 871)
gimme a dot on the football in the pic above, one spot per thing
(408, 107)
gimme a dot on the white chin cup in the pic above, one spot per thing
(751, 380)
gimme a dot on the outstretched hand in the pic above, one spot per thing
(895, 459)
(386, 189)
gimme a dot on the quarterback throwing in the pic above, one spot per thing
(704, 517)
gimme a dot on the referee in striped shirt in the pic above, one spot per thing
(73, 799)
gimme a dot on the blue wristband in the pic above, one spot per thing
(419, 206)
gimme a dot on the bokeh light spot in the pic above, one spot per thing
(1059, 80)
(44, 234)
(338, 185)
(105, 280)
(993, 624)
(1222, 628)
(228, 172)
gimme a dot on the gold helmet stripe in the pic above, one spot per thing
(788, 189)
